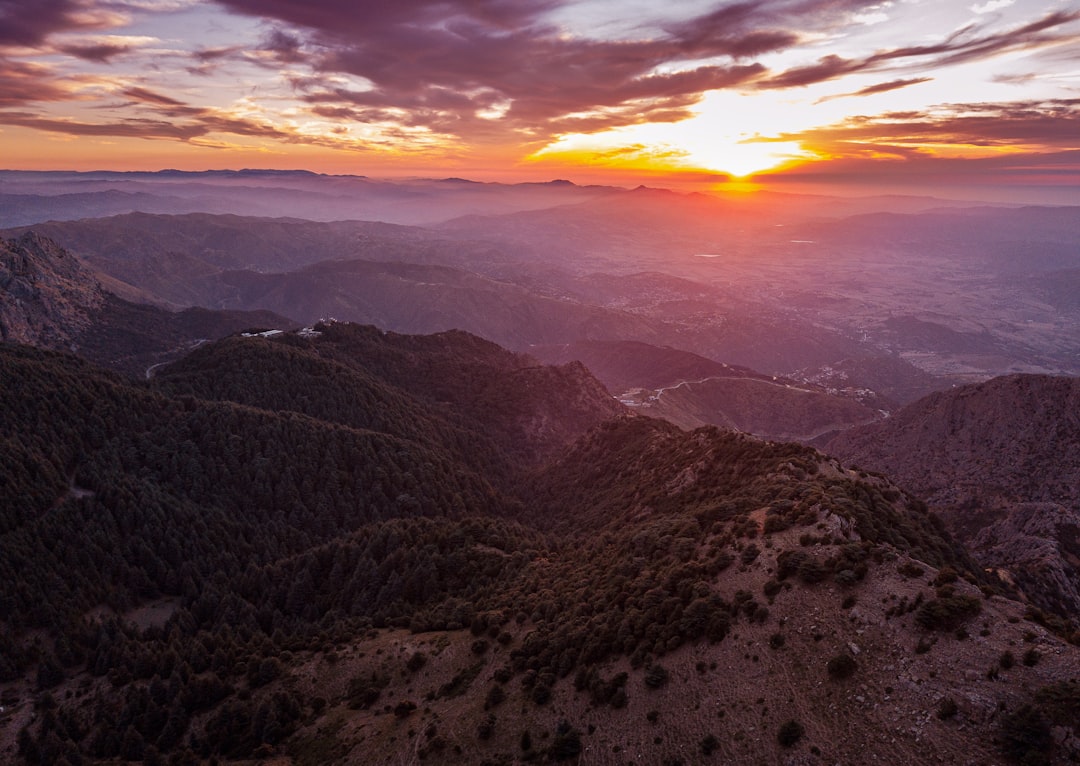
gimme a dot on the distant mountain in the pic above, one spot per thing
(306, 546)
(1000, 461)
(507, 293)
(622, 365)
(882, 381)
(35, 197)
(692, 391)
(50, 298)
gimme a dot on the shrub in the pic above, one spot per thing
(846, 577)
(416, 661)
(1032, 657)
(841, 666)
(567, 742)
(1007, 660)
(709, 744)
(495, 695)
(1026, 738)
(947, 708)
(812, 571)
(910, 569)
(775, 523)
(541, 694)
(749, 554)
(788, 563)
(947, 613)
(790, 733)
(656, 676)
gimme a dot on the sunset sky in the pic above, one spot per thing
(976, 92)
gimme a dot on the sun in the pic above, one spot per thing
(741, 159)
(731, 134)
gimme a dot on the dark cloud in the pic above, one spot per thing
(97, 52)
(150, 97)
(30, 22)
(445, 62)
(284, 46)
(23, 83)
(203, 123)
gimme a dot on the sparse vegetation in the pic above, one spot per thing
(947, 708)
(790, 733)
(947, 612)
(841, 666)
(656, 676)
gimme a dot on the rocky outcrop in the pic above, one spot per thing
(46, 295)
(1000, 462)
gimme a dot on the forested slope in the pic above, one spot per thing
(359, 547)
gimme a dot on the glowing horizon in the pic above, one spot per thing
(704, 92)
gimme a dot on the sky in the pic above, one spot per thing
(901, 93)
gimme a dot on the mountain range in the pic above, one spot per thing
(533, 473)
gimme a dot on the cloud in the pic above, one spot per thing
(991, 5)
(881, 87)
(962, 46)
(23, 83)
(102, 48)
(481, 68)
(27, 23)
(1020, 126)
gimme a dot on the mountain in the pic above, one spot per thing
(35, 197)
(334, 546)
(622, 365)
(46, 294)
(514, 294)
(999, 461)
(50, 298)
(691, 391)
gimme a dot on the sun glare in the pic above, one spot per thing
(744, 158)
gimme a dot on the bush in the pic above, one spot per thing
(841, 666)
(567, 743)
(1026, 738)
(749, 554)
(788, 563)
(812, 571)
(495, 695)
(947, 613)
(656, 676)
(910, 569)
(1032, 657)
(790, 733)
(709, 744)
(947, 708)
